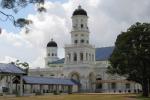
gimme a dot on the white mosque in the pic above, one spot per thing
(83, 62)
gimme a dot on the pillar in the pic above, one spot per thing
(31, 89)
(21, 85)
(11, 85)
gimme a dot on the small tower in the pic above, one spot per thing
(51, 52)
(80, 30)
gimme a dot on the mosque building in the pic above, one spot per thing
(83, 62)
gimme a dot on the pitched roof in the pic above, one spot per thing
(10, 69)
(103, 53)
(47, 80)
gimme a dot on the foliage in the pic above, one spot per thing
(23, 65)
(17, 5)
(131, 55)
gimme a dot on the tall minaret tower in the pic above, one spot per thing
(79, 51)
(80, 30)
(51, 52)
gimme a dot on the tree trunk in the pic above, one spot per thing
(145, 88)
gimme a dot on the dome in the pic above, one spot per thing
(79, 11)
(52, 44)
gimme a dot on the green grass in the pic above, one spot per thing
(142, 98)
(77, 97)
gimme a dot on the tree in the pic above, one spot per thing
(16, 5)
(23, 65)
(131, 55)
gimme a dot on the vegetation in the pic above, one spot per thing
(131, 55)
(15, 6)
(23, 65)
(76, 97)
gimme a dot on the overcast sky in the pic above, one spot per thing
(107, 18)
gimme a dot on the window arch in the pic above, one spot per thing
(82, 41)
(75, 57)
(52, 54)
(81, 56)
(75, 41)
(81, 25)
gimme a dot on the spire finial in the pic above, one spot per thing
(79, 7)
(51, 39)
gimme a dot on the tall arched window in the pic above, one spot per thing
(75, 57)
(92, 57)
(89, 57)
(81, 56)
(81, 25)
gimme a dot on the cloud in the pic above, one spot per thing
(107, 18)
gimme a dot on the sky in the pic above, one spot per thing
(107, 19)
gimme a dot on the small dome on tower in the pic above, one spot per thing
(79, 11)
(52, 44)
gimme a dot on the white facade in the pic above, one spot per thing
(80, 62)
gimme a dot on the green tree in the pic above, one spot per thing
(23, 65)
(15, 6)
(131, 55)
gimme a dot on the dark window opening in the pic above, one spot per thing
(75, 41)
(82, 41)
(81, 56)
(48, 54)
(52, 54)
(113, 85)
(81, 25)
(75, 57)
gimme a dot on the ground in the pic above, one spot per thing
(79, 97)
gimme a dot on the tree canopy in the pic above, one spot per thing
(15, 6)
(131, 55)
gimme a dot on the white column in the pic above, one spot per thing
(72, 56)
(78, 57)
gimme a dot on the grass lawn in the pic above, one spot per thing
(78, 97)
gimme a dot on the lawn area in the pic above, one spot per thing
(78, 97)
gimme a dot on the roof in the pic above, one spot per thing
(103, 53)
(52, 44)
(60, 61)
(10, 69)
(47, 80)
(79, 11)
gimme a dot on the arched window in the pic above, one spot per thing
(98, 85)
(89, 57)
(75, 57)
(93, 57)
(113, 85)
(75, 41)
(81, 56)
(81, 25)
(82, 41)
(52, 54)
(48, 54)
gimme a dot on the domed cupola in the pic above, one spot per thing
(52, 44)
(79, 11)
